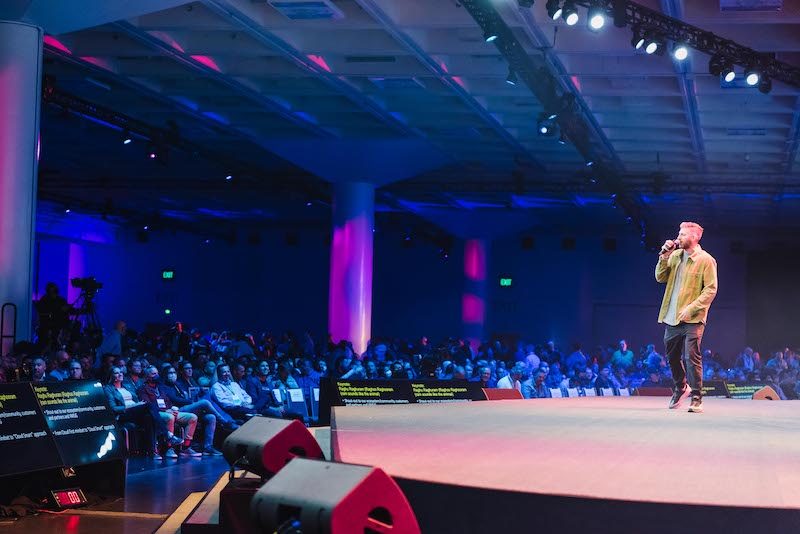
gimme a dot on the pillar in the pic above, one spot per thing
(20, 95)
(350, 294)
(473, 301)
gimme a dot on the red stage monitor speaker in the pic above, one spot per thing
(264, 445)
(332, 498)
(766, 393)
(502, 394)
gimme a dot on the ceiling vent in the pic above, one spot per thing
(750, 5)
(397, 83)
(307, 10)
(747, 132)
(370, 59)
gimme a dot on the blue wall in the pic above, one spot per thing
(585, 294)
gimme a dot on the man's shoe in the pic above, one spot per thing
(678, 396)
(175, 440)
(191, 452)
(697, 404)
(211, 451)
(170, 453)
(154, 456)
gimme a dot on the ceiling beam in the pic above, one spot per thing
(193, 64)
(560, 73)
(389, 25)
(674, 9)
(149, 92)
(228, 9)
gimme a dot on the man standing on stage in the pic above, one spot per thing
(691, 277)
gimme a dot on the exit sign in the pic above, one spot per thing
(168, 274)
(505, 282)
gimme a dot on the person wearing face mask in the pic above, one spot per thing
(153, 393)
(128, 408)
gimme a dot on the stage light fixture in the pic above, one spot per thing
(590, 163)
(545, 125)
(570, 14)
(554, 10)
(637, 41)
(489, 36)
(67, 210)
(229, 177)
(752, 75)
(765, 84)
(680, 51)
(655, 45)
(126, 138)
(729, 74)
(597, 18)
(720, 66)
(511, 79)
(562, 139)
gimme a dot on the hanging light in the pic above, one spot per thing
(554, 10)
(570, 14)
(597, 18)
(680, 51)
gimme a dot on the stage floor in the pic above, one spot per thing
(736, 453)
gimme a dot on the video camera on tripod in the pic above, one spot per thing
(88, 284)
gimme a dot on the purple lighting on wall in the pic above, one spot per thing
(473, 301)
(350, 298)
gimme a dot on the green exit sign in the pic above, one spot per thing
(505, 282)
(168, 274)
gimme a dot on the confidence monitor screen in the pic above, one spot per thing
(79, 418)
(25, 442)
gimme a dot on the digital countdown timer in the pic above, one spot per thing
(69, 498)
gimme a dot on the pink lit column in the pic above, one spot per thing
(350, 297)
(473, 301)
(20, 93)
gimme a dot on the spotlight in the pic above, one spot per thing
(511, 79)
(152, 154)
(562, 139)
(655, 45)
(752, 75)
(552, 116)
(730, 74)
(126, 138)
(309, 204)
(145, 227)
(597, 18)
(570, 14)
(67, 210)
(637, 41)
(765, 84)
(719, 66)
(167, 311)
(680, 51)
(590, 163)
(229, 177)
(554, 9)
(545, 125)
(207, 241)
(490, 36)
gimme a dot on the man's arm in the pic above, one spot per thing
(662, 269)
(709, 291)
(223, 397)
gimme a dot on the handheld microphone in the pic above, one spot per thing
(666, 248)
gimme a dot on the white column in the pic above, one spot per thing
(20, 95)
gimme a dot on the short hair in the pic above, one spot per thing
(693, 227)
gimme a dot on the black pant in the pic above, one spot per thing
(684, 341)
(146, 416)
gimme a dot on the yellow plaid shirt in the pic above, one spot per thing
(699, 285)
